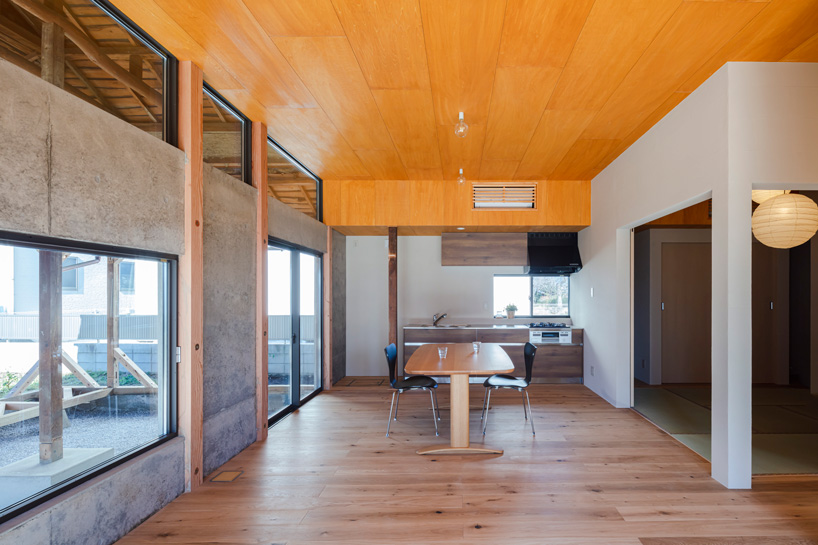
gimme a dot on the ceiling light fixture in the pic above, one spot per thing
(461, 179)
(785, 221)
(461, 129)
(761, 195)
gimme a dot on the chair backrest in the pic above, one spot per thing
(391, 352)
(529, 351)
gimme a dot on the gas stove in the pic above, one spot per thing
(544, 325)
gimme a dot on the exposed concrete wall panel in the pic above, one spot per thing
(109, 506)
(73, 171)
(24, 151)
(229, 432)
(111, 182)
(229, 316)
(339, 308)
(288, 224)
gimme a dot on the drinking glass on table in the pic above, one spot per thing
(475, 345)
(441, 351)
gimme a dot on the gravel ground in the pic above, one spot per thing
(112, 422)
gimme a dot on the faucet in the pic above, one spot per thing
(436, 319)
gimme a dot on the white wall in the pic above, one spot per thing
(425, 288)
(751, 125)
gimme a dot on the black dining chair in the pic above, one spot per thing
(515, 383)
(416, 382)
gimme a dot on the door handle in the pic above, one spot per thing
(293, 338)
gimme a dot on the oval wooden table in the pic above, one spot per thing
(460, 363)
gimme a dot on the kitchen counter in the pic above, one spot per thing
(554, 362)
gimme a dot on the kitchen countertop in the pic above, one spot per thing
(486, 326)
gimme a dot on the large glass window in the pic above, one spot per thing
(224, 135)
(106, 62)
(291, 183)
(84, 374)
(532, 295)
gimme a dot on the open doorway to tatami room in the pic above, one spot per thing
(672, 340)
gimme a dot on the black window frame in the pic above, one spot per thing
(246, 132)
(319, 183)
(295, 379)
(531, 293)
(171, 394)
(170, 95)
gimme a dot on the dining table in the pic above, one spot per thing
(460, 363)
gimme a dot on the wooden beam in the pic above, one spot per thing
(190, 322)
(52, 49)
(78, 371)
(309, 201)
(25, 381)
(113, 321)
(262, 236)
(50, 409)
(33, 411)
(393, 285)
(91, 87)
(48, 15)
(134, 369)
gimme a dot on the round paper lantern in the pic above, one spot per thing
(785, 221)
(761, 195)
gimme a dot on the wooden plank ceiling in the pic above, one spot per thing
(551, 89)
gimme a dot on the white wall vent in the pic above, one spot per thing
(505, 195)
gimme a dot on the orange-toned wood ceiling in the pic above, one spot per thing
(551, 89)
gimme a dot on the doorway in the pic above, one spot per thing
(295, 317)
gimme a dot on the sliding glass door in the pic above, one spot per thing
(294, 327)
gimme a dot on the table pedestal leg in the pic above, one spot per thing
(459, 414)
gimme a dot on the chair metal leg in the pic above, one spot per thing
(396, 406)
(437, 405)
(488, 402)
(483, 412)
(434, 416)
(389, 420)
(528, 400)
(522, 395)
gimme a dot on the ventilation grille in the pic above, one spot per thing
(516, 195)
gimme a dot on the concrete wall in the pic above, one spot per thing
(751, 125)
(339, 309)
(73, 171)
(107, 507)
(290, 225)
(70, 170)
(229, 317)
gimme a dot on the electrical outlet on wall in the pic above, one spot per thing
(643, 364)
(592, 370)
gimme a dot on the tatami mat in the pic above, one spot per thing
(671, 412)
(780, 420)
(772, 453)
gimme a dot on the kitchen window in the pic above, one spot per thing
(534, 296)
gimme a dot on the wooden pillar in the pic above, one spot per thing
(52, 58)
(190, 320)
(327, 309)
(262, 236)
(393, 285)
(113, 320)
(50, 356)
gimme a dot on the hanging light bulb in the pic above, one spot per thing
(785, 221)
(461, 129)
(761, 195)
(461, 179)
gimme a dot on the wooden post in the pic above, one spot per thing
(113, 320)
(393, 285)
(52, 58)
(50, 356)
(190, 320)
(328, 378)
(262, 236)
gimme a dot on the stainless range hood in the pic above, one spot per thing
(553, 253)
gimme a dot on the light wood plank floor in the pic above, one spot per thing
(592, 475)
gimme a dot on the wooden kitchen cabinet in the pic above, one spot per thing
(553, 362)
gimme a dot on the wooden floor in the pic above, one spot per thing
(593, 474)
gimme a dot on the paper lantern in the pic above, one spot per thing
(761, 195)
(785, 221)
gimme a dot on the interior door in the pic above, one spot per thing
(686, 314)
